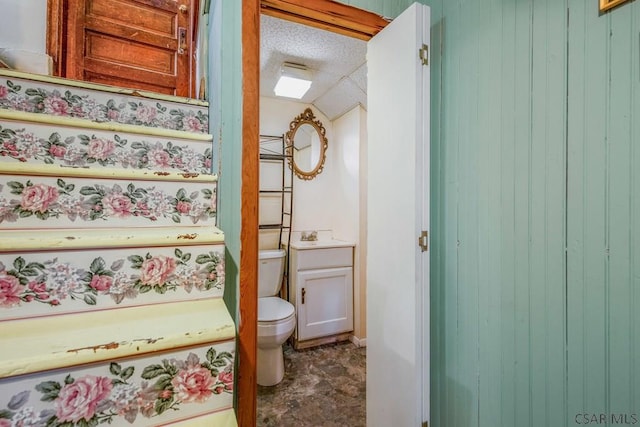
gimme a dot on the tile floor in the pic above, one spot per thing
(322, 387)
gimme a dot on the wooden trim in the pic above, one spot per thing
(55, 34)
(193, 47)
(327, 15)
(73, 61)
(248, 297)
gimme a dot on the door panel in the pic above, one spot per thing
(398, 208)
(328, 302)
(140, 44)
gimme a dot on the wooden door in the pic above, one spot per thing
(398, 212)
(140, 44)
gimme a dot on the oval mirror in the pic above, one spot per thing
(306, 145)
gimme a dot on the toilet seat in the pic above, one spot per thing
(273, 309)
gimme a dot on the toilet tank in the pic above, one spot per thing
(270, 271)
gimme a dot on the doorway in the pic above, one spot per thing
(323, 14)
(333, 204)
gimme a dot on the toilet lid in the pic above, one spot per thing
(273, 308)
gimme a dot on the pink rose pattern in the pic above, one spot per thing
(100, 149)
(45, 98)
(157, 270)
(101, 282)
(194, 384)
(91, 400)
(10, 290)
(37, 198)
(226, 377)
(56, 105)
(85, 150)
(117, 204)
(100, 202)
(58, 151)
(78, 400)
(53, 283)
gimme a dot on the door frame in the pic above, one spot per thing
(325, 14)
(56, 38)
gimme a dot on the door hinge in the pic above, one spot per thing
(423, 241)
(423, 53)
(425, 424)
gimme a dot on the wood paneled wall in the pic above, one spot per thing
(534, 149)
(603, 258)
(498, 156)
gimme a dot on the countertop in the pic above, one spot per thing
(320, 244)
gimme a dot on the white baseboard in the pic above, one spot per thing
(359, 342)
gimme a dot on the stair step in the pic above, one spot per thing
(131, 369)
(40, 94)
(69, 239)
(60, 197)
(54, 275)
(40, 139)
(78, 339)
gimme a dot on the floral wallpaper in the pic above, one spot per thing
(81, 148)
(60, 282)
(145, 391)
(40, 97)
(25, 201)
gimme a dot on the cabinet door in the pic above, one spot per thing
(325, 302)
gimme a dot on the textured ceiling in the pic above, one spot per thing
(337, 62)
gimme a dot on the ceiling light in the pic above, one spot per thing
(294, 82)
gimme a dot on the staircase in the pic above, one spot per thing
(111, 265)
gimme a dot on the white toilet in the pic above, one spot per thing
(276, 317)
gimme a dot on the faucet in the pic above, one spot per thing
(311, 236)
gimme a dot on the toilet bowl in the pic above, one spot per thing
(276, 318)
(276, 322)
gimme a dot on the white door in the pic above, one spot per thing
(398, 210)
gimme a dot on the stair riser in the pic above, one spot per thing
(149, 390)
(60, 282)
(98, 106)
(78, 147)
(71, 202)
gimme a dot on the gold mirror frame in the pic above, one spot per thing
(306, 117)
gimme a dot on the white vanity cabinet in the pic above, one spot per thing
(322, 292)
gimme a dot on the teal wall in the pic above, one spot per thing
(224, 59)
(499, 205)
(535, 147)
(603, 233)
(535, 144)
